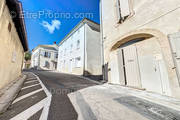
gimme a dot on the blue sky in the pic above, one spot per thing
(49, 21)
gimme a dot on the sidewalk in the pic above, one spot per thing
(8, 93)
(113, 102)
(32, 102)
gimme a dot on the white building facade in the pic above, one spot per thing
(45, 57)
(80, 51)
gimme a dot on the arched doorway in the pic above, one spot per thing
(139, 63)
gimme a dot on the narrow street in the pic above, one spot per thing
(47, 95)
(60, 85)
(33, 101)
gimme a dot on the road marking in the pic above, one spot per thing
(30, 81)
(30, 86)
(30, 111)
(45, 112)
(27, 95)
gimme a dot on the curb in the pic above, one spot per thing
(10, 93)
(82, 108)
(80, 76)
(86, 78)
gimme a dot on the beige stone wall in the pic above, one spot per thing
(11, 50)
(155, 17)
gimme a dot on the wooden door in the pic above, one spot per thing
(131, 66)
(150, 59)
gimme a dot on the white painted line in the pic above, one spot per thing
(27, 95)
(30, 111)
(30, 86)
(30, 81)
(45, 112)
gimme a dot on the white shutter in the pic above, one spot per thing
(2, 5)
(175, 45)
(125, 8)
(118, 10)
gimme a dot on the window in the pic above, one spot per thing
(78, 44)
(65, 52)
(56, 55)
(71, 48)
(78, 62)
(123, 9)
(47, 54)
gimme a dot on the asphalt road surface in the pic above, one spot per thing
(44, 96)
(60, 85)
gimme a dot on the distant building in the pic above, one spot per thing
(140, 47)
(13, 41)
(27, 64)
(44, 57)
(80, 51)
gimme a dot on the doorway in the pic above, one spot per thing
(142, 65)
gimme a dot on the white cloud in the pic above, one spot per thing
(55, 24)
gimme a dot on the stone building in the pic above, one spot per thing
(44, 57)
(13, 41)
(80, 51)
(142, 44)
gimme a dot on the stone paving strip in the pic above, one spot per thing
(32, 103)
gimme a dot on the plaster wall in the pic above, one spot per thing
(155, 17)
(11, 49)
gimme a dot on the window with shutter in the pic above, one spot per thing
(123, 8)
(118, 10)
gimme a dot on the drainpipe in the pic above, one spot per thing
(84, 66)
(39, 58)
(102, 41)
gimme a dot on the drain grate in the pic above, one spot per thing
(149, 109)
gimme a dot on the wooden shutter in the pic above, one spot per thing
(2, 5)
(118, 10)
(125, 8)
(175, 45)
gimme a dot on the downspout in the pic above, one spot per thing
(84, 50)
(102, 41)
(39, 58)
